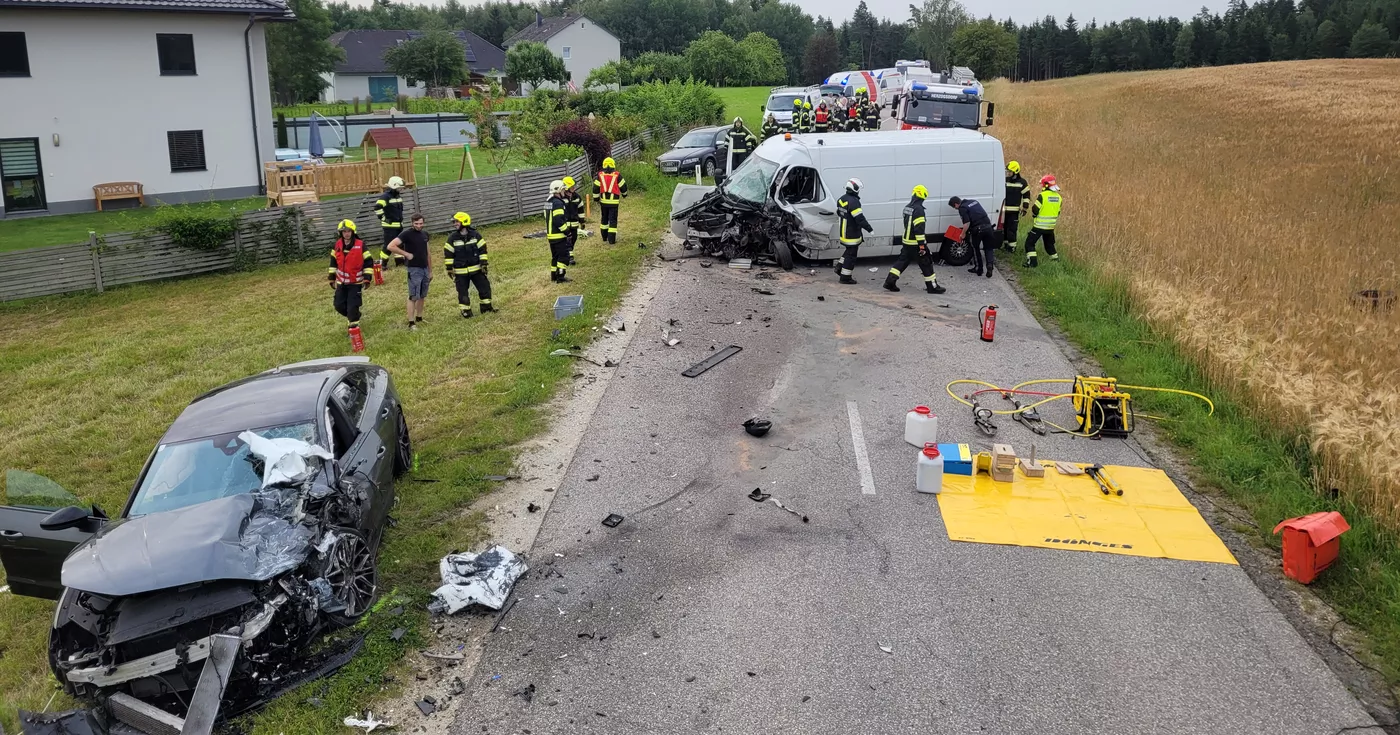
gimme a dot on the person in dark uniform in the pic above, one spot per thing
(573, 216)
(977, 232)
(854, 225)
(411, 247)
(1018, 201)
(915, 245)
(389, 209)
(870, 115)
(741, 141)
(771, 126)
(464, 255)
(556, 230)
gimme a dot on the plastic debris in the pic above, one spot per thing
(566, 353)
(758, 496)
(482, 579)
(368, 724)
(763, 291)
(398, 634)
(885, 648)
(757, 426)
(613, 520)
(427, 706)
(532, 508)
(711, 361)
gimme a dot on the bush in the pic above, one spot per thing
(641, 174)
(671, 104)
(594, 102)
(196, 226)
(555, 155)
(581, 133)
(617, 127)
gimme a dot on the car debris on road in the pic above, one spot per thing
(484, 579)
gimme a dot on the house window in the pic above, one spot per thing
(176, 52)
(567, 51)
(14, 55)
(186, 150)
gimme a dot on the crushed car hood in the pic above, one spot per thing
(247, 537)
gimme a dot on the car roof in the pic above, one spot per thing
(937, 136)
(789, 90)
(277, 398)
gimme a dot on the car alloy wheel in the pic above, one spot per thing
(351, 572)
(403, 455)
(710, 167)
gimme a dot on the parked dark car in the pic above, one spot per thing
(707, 148)
(208, 545)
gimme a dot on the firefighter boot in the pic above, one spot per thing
(357, 340)
(933, 287)
(846, 279)
(890, 283)
(486, 307)
(1031, 260)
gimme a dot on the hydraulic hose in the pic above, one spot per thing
(1047, 397)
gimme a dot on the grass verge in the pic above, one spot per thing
(744, 102)
(95, 379)
(19, 233)
(1267, 473)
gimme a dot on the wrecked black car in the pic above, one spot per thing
(252, 529)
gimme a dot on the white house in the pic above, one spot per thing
(364, 75)
(171, 94)
(581, 43)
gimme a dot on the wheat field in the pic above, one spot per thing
(1246, 207)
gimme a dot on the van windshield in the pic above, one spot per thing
(782, 102)
(751, 180)
(941, 114)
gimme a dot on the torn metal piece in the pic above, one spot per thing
(426, 706)
(741, 264)
(213, 680)
(667, 339)
(71, 722)
(763, 291)
(779, 503)
(883, 647)
(482, 579)
(712, 360)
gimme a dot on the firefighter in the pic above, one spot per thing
(799, 118)
(556, 230)
(870, 115)
(915, 245)
(573, 216)
(389, 209)
(771, 126)
(464, 255)
(741, 142)
(609, 188)
(853, 112)
(1045, 213)
(821, 121)
(1018, 200)
(854, 225)
(977, 233)
(349, 272)
(808, 117)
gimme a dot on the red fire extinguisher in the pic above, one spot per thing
(988, 316)
(357, 340)
(378, 273)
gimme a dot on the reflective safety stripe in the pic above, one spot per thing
(555, 236)
(931, 279)
(847, 272)
(918, 220)
(894, 271)
(845, 241)
(910, 243)
(856, 212)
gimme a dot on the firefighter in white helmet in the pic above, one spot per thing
(854, 225)
(556, 231)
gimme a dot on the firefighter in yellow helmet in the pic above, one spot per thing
(573, 215)
(914, 245)
(609, 188)
(464, 255)
(350, 270)
(1017, 203)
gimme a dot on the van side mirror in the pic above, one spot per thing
(65, 518)
(991, 112)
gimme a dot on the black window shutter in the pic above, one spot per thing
(186, 150)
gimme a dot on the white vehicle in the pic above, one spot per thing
(942, 106)
(888, 84)
(853, 80)
(782, 200)
(780, 106)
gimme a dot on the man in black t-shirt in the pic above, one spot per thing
(412, 246)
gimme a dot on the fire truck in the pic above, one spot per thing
(935, 105)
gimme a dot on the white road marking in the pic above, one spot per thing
(867, 480)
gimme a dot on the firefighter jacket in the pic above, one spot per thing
(349, 265)
(609, 187)
(770, 128)
(870, 114)
(1046, 209)
(741, 140)
(1018, 192)
(555, 222)
(914, 223)
(822, 121)
(389, 209)
(572, 214)
(464, 251)
(853, 221)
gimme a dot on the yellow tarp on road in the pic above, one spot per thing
(1151, 518)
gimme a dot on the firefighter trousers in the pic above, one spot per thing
(607, 222)
(739, 158)
(983, 249)
(347, 301)
(847, 265)
(1011, 228)
(909, 254)
(389, 234)
(483, 291)
(570, 237)
(558, 258)
(1035, 236)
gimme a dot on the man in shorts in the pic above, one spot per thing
(412, 245)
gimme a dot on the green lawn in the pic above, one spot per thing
(744, 102)
(19, 233)
(1234, 453)
(440, 165)
(472, 391)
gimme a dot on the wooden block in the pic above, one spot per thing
(1003, 463)
(1032, 468)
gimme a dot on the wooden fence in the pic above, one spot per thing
(281, 234)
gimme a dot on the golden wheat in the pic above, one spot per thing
(1246, 207)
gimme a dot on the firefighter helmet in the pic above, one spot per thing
(395, 182)
(797, 102)
(568, 182)
(556, 187)
(462, 218)
(609, 163)
(807, 104)
(1014, 167)
(853, 185)
(345, 224)
(921, 191)
(1047, 180)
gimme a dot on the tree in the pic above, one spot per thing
(1329, 43)
(1370, 41)
(712, 56)
(656, 66)
(298, 54)
(984, 47)
(934, 24)
(613, 73)
(1183, 51)
(437, 58)
(822, 57)
(532, 63)
(762, 60)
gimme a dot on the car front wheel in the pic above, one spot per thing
(956, 253)
(709, 167)
(351, 571)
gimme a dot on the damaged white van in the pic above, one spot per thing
(782, 200)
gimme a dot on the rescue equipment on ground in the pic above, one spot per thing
(921, 426)
(1102, 405)
(357, 340)
(928, 474)
(1311, 543)
(988, 317)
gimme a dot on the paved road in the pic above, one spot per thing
(707, 612)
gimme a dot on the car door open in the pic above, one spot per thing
(802, 194)
(38, 530)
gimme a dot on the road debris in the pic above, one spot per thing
(712, 360)
(443, 656)
(764, 291)
(758, 496)
(368, 724)
(741, 264)
(532, 508)
(757, 426)
(779, 503)
(705, 264)
(398, 634)
(527, 694)
(613, 520)
(482, 579)
(503, 614)
(667, 339)
(883, 647)
(567, 353)
(427, 706)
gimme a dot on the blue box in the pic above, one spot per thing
(567, 306)
(957, 459)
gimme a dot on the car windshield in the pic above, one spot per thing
(782, 102)
(751, 180)
(192, 472)
(940, 114)
(696, 139)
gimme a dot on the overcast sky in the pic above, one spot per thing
(1026, 10)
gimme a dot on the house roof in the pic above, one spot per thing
(267, 8)
(544, 29)
(364, 50)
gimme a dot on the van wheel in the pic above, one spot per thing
(783, 253)
(709, 167)
(956, 253)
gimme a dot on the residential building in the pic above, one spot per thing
(171, 94)
(581, 43)
(364, 75)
